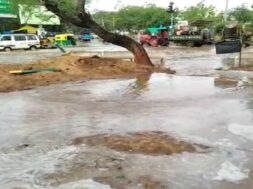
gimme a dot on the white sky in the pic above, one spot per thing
(110, 5)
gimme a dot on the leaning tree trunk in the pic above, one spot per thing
(83, 19)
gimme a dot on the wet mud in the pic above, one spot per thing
(144, 182)
(109, 167)
(149, 143)
(225, 82)
(71, 68)
(107, 170)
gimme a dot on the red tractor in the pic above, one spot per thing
(155, 37)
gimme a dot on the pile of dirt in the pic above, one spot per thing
(144, 182)
(72, 68)
(150, 143)
(244, 68)
(225, 83)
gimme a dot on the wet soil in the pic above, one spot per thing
(144, 182)
(110, 168)
(105, 169)
(72, 68)
(243, 68)
(225, 82)
(149, 143)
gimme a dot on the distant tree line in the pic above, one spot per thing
(132, 18)
(135, 18)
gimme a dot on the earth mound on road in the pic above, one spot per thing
(71, 68)
(149, 143)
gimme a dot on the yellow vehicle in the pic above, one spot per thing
(47, 42)
(65, 39)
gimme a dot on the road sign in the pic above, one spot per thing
(6, 10)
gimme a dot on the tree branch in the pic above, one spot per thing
(83, 19)
(52, 6)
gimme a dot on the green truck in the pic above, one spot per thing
(194, 34)
(187, 40)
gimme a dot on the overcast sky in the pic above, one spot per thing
(112, 4)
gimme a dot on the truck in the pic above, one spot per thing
(191, 35)
(155, 36)
(233, 30)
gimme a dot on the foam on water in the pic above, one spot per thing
(246, 131)
(229, 172)
(83, 184)
(23, 169)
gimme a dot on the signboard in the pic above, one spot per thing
(37, 15)
(228, 47)
(6, 10)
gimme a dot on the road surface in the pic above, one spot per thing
(38, 127)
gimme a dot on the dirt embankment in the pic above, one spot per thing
(244, 68)
(72, 68)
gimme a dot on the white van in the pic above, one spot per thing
(10, 42)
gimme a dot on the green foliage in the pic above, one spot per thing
(29, 4)
(66, 6)
(248, 28)
(198, 12)
(242, 14)
(133, 18)
(219, 28)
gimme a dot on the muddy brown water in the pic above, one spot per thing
(38, 126)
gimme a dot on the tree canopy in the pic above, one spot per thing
(137, 18)
(132, 18)
(243, 14)
(198, 12)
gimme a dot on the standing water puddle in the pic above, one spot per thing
(38, 127)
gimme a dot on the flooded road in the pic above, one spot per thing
(200, 61)
(38, 128)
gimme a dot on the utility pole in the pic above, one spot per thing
(171, 11)
(226, 11)
(113, 23)
(172, 20)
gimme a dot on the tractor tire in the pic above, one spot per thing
(190, 44)
(146, 45)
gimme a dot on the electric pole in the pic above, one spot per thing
(171, 11)
(226, 11)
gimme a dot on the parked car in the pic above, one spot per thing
(9, 42)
